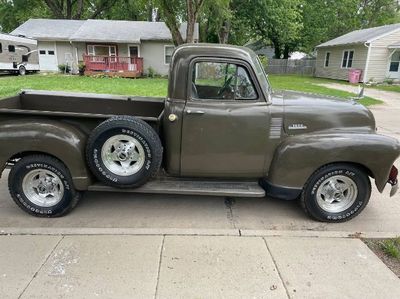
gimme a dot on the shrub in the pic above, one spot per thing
(64, 68)
(81, 67)
(151, 73)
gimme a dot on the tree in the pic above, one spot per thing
(279, 22)
(176, 11)
(342, 16)
(77, 9)
(14, 13)
(215, 21)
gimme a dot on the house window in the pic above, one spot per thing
(347, 61)
(327, 57)
(102, 50)
(11, 48)
(395, 62)
(168, 51)
(222, 81)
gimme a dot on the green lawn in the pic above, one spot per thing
(11, 85)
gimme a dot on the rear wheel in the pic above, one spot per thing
(42, 186)
(22, 70)
(336, 193)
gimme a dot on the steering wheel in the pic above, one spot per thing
(226, 87)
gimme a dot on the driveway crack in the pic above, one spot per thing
(277, 269)
(40, 268)
(159, 266)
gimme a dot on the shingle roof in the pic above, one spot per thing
(97, 30)
(45, 29)
(361, 36)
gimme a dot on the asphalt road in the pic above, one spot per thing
(207, 215)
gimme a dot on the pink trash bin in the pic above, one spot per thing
(354, 76)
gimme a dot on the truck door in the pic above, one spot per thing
(225, 121)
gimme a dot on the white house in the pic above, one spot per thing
(117, 44)
(374, 51)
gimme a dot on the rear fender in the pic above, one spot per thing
(54, 138)
(298, 157)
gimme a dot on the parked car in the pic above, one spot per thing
(18, 54)
(221, 131)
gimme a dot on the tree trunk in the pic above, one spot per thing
(172, 22)
(286, 52)
(277, 49)
(223, 34)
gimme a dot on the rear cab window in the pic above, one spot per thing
(222, 81)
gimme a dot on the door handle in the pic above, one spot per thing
(195, 112)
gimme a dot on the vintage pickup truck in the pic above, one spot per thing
(221, 131)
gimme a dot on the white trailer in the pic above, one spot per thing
(18, 54)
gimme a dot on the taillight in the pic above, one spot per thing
(393, 175)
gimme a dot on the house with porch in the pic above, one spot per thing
(125, 48)
(374, 51)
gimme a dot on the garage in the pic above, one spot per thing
(47, 56)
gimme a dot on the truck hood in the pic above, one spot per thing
(305, 113)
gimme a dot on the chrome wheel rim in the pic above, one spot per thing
(43, 188)
(336, 194)
(123, 155)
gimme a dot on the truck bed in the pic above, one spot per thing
(87, 105)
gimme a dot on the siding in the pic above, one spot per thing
(65, 54)
(379, 58)
(153, 56)
(335, 70)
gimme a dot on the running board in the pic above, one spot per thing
(192, 187)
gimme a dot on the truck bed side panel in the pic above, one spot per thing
(55, 138)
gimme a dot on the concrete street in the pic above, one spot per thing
(118, 245)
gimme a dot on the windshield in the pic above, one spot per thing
(262, 76)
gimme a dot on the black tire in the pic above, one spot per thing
(133, 129)
(309, 196)
(22, 70)
(22, 170)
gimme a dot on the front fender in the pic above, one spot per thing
(298, 157)
(55, 138)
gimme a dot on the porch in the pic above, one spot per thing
(128, 67)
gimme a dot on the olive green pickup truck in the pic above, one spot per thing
(221, 131)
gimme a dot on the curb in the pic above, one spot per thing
(195, 232)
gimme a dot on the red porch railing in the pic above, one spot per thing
(113, 64)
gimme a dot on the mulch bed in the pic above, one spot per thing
(391, 262)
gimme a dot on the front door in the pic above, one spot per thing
(47, 56)
(225, 123)
(394, 67)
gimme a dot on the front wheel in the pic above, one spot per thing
(42, 186)
(336, 193)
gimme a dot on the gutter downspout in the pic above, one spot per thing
(365, 77)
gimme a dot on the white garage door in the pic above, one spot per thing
(47, 57)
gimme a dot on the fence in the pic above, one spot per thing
(287, 66)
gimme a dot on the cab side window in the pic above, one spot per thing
(222, 81)
(1, 48)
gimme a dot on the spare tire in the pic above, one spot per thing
(124, 152)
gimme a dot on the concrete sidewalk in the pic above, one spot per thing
(175, 266)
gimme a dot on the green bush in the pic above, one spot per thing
(151, 73)
(64, 68)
